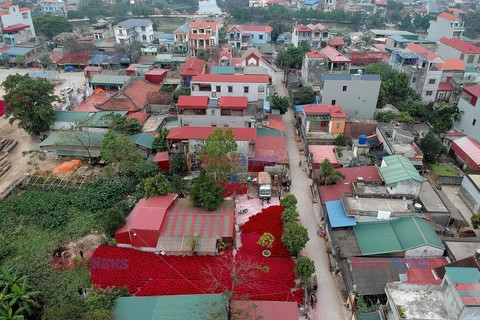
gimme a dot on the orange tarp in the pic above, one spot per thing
(68, 166)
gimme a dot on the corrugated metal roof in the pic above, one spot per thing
(337, 216)
(102, 119)
(73, 139)
(470, 146)
(131, 23)
(103, 79)
(192, 306)
(463, 274)
(222, 70)
(143, 139)
(70, 116)
(402, 234)
(398, 169)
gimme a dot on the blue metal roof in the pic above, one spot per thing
(165, 36)
(299, 108)
(185, 28)
(371, 77)
(337, 216)
(310, 2)
(338, 76)
(398, 38)
(17, 51)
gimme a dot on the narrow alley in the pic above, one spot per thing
(329, 300)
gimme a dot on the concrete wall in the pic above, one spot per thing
(438, 29)
(16, 17)
(424, 252)
(238, 90)
(470, 194)
(447, 52)
(453, 301)
(467, 114)
(409, 186)
(451, 181)
(470, 313)
(434, 75)
(359, 101)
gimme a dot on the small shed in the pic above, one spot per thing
(156, 76)
(400, 176)
(162, 159)
(89, 71)
(317, 154)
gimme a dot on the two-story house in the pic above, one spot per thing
(329, 5)
(254, 87)
(53, 7)
(356, 93)
(140, 30)
(445, 25)
(469, 108)
(203, 36)
(421, 66)
(226, 111)
(16, 24)
(253, 57)
(454, 48)
(450, 68)
(181, 38)
(192, 67)
(315, 35)
(241, 36)
(323, 118)
(380, 6)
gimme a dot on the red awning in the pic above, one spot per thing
(233, 103)
(192, 102)
(16, 27)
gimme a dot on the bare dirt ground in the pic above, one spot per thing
(25, 142)
(87, 245)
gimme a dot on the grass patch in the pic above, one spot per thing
(169, 24)
(446, 170)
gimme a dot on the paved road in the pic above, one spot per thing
(329, 299)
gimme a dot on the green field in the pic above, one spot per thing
(446, 170)
(169, 24)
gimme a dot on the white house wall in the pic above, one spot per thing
(467, 114)
(424, 252)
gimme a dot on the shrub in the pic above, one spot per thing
(294, 237)
(289, 201)
(113, 219)
(340, 141)
(206, 193)
(304, 269)
(475, 220)
(146, 169)
(289, 215)
(266, 240)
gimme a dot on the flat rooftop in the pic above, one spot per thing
(462, 249)
(346, 241)
(420, 303)
(431, 201)
(378, 204)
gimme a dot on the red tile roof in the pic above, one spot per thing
(134, 98)
(225, 53)
(240, 78)
(447, 16)
(4, 48)
(473, 90)
(315, 54)
(161, 156)
(141, 117)
(233, 103)
(454, 133)
(4, 13)
(420, 271)
(88, 104)
(6, 5)
(201, 133)
(275, 121)
(381, 3)
(421, 51)
(16, 27)
(460, 45)
(268, 147)
(320, 153)
(192, 67)
(24, 9)
(256, 28)
(192, 102)
(333, 55)
(202, 24)
(333, 111)
(92, 69)
(310, 27)
(451, 65)
(336, 42)
(445, 86)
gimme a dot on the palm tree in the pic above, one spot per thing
(22, 298)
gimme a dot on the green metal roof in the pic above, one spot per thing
(143, 139)
(222, 70)
(73, 139)
(463, 274)
(402, 234)
(265, 132)
(102, 119)
(70, 116)
(193, 306)
(398, 169)
(106, 80)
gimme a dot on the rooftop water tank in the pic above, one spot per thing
(362, 139)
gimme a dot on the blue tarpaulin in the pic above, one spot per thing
(299, 108)
(337, 216)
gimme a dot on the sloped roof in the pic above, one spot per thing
(336, 42)
(266, 310)
(240, 78)
(141, 117)
(320, 153)
(381, 237)
(451, 65)
(192, 102)
(201, 133)
(222, 70)
(253, 28)
(398, 169)
(15, 27)
(203, 24)
(70, 116)
(337, 216)
(254, 51)
(460, 45)
(143, 139)
(79, 139)
(315, 55)
(131, 23)
(334, 111)
(445, 86)
(413, 47)
(192, 67)
(448, 16)
(89, 103)
(334, 56)
(267, 147)
(275, 122)
(473, 90)
(233, 103)
(470, 146)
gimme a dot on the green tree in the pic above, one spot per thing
(146, 169)
(181, 91)
(45, 60)
(122, 125)
(130, 50)
(294, 237)
(280, 103)
(19, 61)
(292, 57)
(5, 58)
(220, 146)
(328, 175)
(203, 55)
(120, 151)
(206, 192)
(178, 184)
(304, 269)
(289, 215)
(113, 219)
(289, 201)
(278, 27)
(266, 240)
(304, 95)
(142, 10)
(157, 185)
(178, 164)
(340, 141)
(160, 141)
(51, 25)
(432, 148)
(29, 100)
(16, 298)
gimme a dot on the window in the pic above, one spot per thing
(474, 122)
(478, 61)
(25, 15)
(428, 93)
(337, 125)
(462, 56)
(245, 89)
(470, 58)
(414, 79)
(260, 36)
(143, 28)
(261, 89)
(144, 38)
(230, 89)
(431, 81)
(218, 89)
(226, 125)
(333, 102)
(194, 31)
(344, 88)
